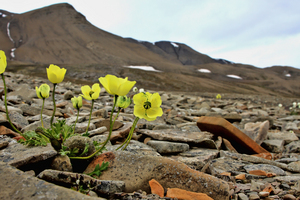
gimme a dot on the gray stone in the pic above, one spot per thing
(81, 127)
(165, 147)
(256, 186)
(30, 110)
(16, 184)
(137, 148)
(17, 154)
(217, 166)
(62, 163)
(265, 167)
(97, 131)
(253, 196)
(80, 143)
(100, 139)
(287, 136)
(18, 119)
(290, 126)
(100, 113)
(294, 166)
(10, 109)
(176, 135)
(242, 196)
(24, 91)
(257, 131)
(68, 95)
(275, 146)
(101, 187)
(35, 125)
(293, 147)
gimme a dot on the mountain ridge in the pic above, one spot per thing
(60, 35)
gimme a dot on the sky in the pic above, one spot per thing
(262, 33)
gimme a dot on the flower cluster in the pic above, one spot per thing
(146, 105)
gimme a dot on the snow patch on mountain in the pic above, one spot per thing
(145, 68)
(234, 76)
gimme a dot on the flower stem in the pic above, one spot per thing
(76, 120)
(54, 105)
(130, 134)
(109, 134)
(87, 128)
(5, 102)
(42, 112)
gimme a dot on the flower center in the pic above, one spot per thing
(147, 105)
(91, 93)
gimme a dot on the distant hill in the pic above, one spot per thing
(60, 35)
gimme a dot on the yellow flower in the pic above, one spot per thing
(89, 93)
(43, 91)
(147, 106)
(218, 96)
(56, 74)
(3, 63)
(77, 102)
(116, 86)
(123, 101)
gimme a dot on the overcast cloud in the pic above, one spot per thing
(258, 32)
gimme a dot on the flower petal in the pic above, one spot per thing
(86, 92)
(3, 63)
(139, 111)
(155, 100)
(154, 112)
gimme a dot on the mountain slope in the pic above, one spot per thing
(60, 35)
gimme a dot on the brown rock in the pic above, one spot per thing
(7, 131)
(136, 171)
(156, 188)
(258, 172)
(183, 194)
(220, 127)
(240, 177)
(106, 123)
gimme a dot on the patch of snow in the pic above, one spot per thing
(8, 32)
(288, 75)
(4, 15)
(174, 44)
(12, 53)
(146, 68)
(204, 70)
(234, 76)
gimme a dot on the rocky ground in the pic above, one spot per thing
(200, 145)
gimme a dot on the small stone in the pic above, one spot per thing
(80, 143)
(254, 196)
(289, 197)
(263, 194)
(68, 95)
(275, 146)
(156, 188)
(242, 196)
(62, 163)
(168, 147)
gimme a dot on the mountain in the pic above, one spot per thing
(60, 35)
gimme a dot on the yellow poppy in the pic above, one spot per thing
(90, 93)
(147, 106)
(56, 74)
(3, 63)
(116, 86)
(43, 91)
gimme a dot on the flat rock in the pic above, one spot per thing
(15, 184)
(217, 166)
(101, 187)
(168, 147)
(17, 154)
(136, 171)
(265, 167)
(176, 135)
(287, 136)
(275, 146)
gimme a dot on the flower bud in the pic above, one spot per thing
(43, 91)
(123, 101)
(77, 102)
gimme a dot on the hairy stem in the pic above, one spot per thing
(54, 105)
(87, 128)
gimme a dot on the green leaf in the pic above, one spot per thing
(86, 149)
(98, 169)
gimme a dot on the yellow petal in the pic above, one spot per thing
(126, 87)
(154, 112)
(3, 63)
(38, 94)
(139, 99)
(86, 92)
(104, 83)
(139, 111)
(56, 74)
(155, 100)
(96, 89)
